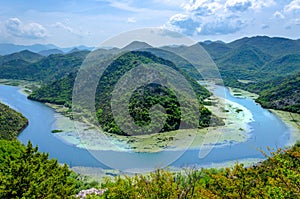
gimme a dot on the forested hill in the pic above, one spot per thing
(30, 66)
(60, 92)
(258, 58)
(11, 122)
(267, 66)
(279, 93)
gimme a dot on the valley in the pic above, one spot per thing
(255, 107)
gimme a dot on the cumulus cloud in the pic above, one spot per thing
(184, 24)
(17, 28)
(292, 6)
(238, 5)
(278, 15)
(221, 26)
(203, 7)
(259, 4)
(216, 17)
(65, 27)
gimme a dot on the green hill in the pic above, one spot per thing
(26, 65)
(11, 122)
(274, 46)
(271, 64)
(24, 55)
(243, 62)
(279, 93)
(60, 92)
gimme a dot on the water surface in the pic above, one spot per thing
(267, 130)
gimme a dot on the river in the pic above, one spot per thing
(267, 130)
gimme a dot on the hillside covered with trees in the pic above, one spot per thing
(266, 66)
(27, 173)
(60, 92)
(11, 122)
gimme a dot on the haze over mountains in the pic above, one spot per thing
(47, 49)
(260, 60)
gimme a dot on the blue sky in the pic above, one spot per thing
(90, 22)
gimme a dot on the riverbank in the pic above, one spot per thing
(26, 86)
(235, 130)
(292, 120)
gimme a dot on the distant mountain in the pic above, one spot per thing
(272, 65)
(216, 49)
(27, 65)
(136, 45)
(259, 59)
(50, 52)
(73, 50)
(24, 55)
(274, 46)
(7, 48)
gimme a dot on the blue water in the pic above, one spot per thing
(267, 130)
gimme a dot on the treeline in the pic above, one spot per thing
(277, 177)
(11, 122)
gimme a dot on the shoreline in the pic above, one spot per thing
(292, 120)
(235, 130)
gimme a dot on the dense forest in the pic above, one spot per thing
(11, 122)
(266, 66)
(279, 93)
(60, 92)
(27, 173)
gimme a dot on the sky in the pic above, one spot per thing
(90, 22)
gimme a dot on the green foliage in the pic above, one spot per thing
(276, 177)
(143, 98)
(60, 92)
(31, 66)
(272, 64)
(11, 122)
(27, 173)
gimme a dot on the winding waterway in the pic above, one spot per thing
(267, 130)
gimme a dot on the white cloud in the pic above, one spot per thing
(292, 6)
(278, 15)
(218, 17)
(238, 5)
(203, 7)
(222, 26)
(15, 27)
(184, 24)
(259, 4)
(131, 20)
(65, 27)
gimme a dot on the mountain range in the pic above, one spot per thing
(47, 49)
(248, 63)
